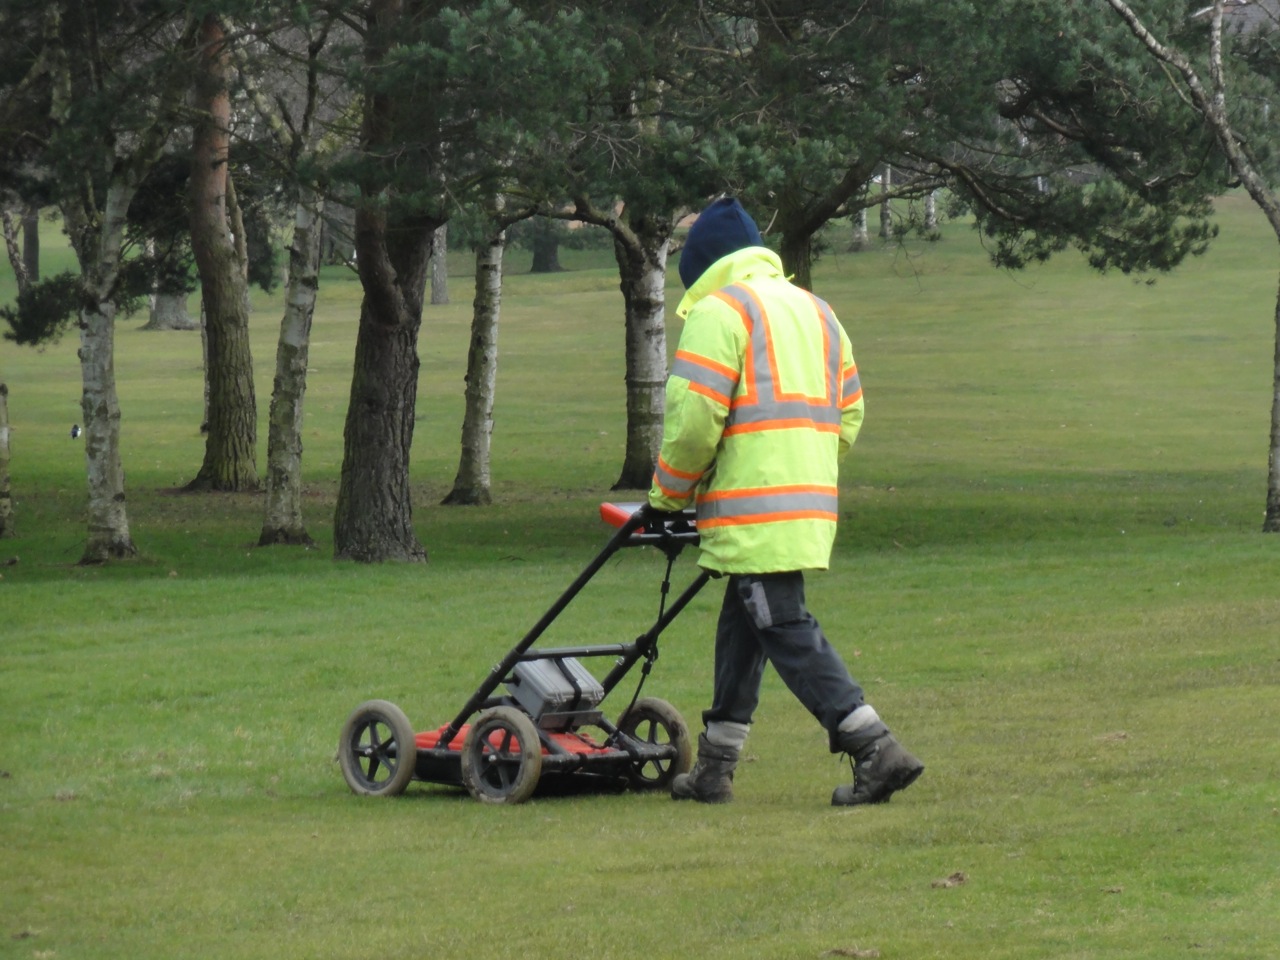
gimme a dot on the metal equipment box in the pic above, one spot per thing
(557, 691)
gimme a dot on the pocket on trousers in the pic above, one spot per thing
(770, 602)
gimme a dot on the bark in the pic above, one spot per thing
(14, 249)
(373, 520)
(31, 242)
(6, 498)
(440, 265)
(886, 212)
(471, 485)
(861, 239)
(230, 459)
(546, 249)
(931, 211)
(282, 522)
(169, 312)
(642, 266)
(98, 250)
(1211, 103)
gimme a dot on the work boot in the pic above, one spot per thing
(711, 779)
(880, 768)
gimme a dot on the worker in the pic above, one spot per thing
(762, 400)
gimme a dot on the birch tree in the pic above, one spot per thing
(471, 485)
(105, 135)
(1208, 90)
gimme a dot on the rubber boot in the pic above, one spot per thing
(711, 779)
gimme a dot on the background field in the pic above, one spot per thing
(1048, 576)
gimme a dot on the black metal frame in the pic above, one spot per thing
(669, 533)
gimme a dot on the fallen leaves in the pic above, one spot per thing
(955, 880)
(868, 954)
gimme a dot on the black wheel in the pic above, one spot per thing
(502, 757)
(376, 750)
(654, 721)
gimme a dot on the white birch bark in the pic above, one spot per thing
(282, 520)
(471, 486)
(861, 238)
(886, 213)
(645, 294)
(108, 536)
(440, 265)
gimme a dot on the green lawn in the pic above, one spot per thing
(1049, 577)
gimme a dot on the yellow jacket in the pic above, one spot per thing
(762, 400)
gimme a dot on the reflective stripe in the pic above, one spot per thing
(851, 390)
(715, 379)
(763, 405)
(767, 504)
(674, 483)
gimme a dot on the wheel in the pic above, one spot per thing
(502, 757)
(376, 750)
(655, 721)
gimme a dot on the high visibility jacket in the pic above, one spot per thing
(762, 400)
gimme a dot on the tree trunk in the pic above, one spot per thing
(440, 265)
(931, 212)
(861, 238)
(31, 242)
(6, 498)
(282, 520)
(230, 459)
(373, 520)
(374, 516)
(1271, 520)
(642, 265)
(471, 485)
(14, 249)
(546, 246)
(169, 312)
(796, 249)
(886, 212)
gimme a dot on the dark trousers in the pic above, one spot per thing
(764, 618)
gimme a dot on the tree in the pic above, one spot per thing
(471, 485)
(439, 130)
(1229, 107)
(296, 123)
(102, 89)
(230, 460)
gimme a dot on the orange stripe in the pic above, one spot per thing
(709, 393)
(667, 491)
(678, 473)
(850, 401)
(700, 361)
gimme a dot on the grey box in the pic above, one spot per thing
(547, 692)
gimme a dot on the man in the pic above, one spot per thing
(762, 400)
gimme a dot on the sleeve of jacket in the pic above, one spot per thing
(852, 405)
(704, 377)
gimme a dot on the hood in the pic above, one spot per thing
(747, 264)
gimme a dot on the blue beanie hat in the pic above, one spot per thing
(721, 229)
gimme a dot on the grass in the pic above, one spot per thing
(1048, 576)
